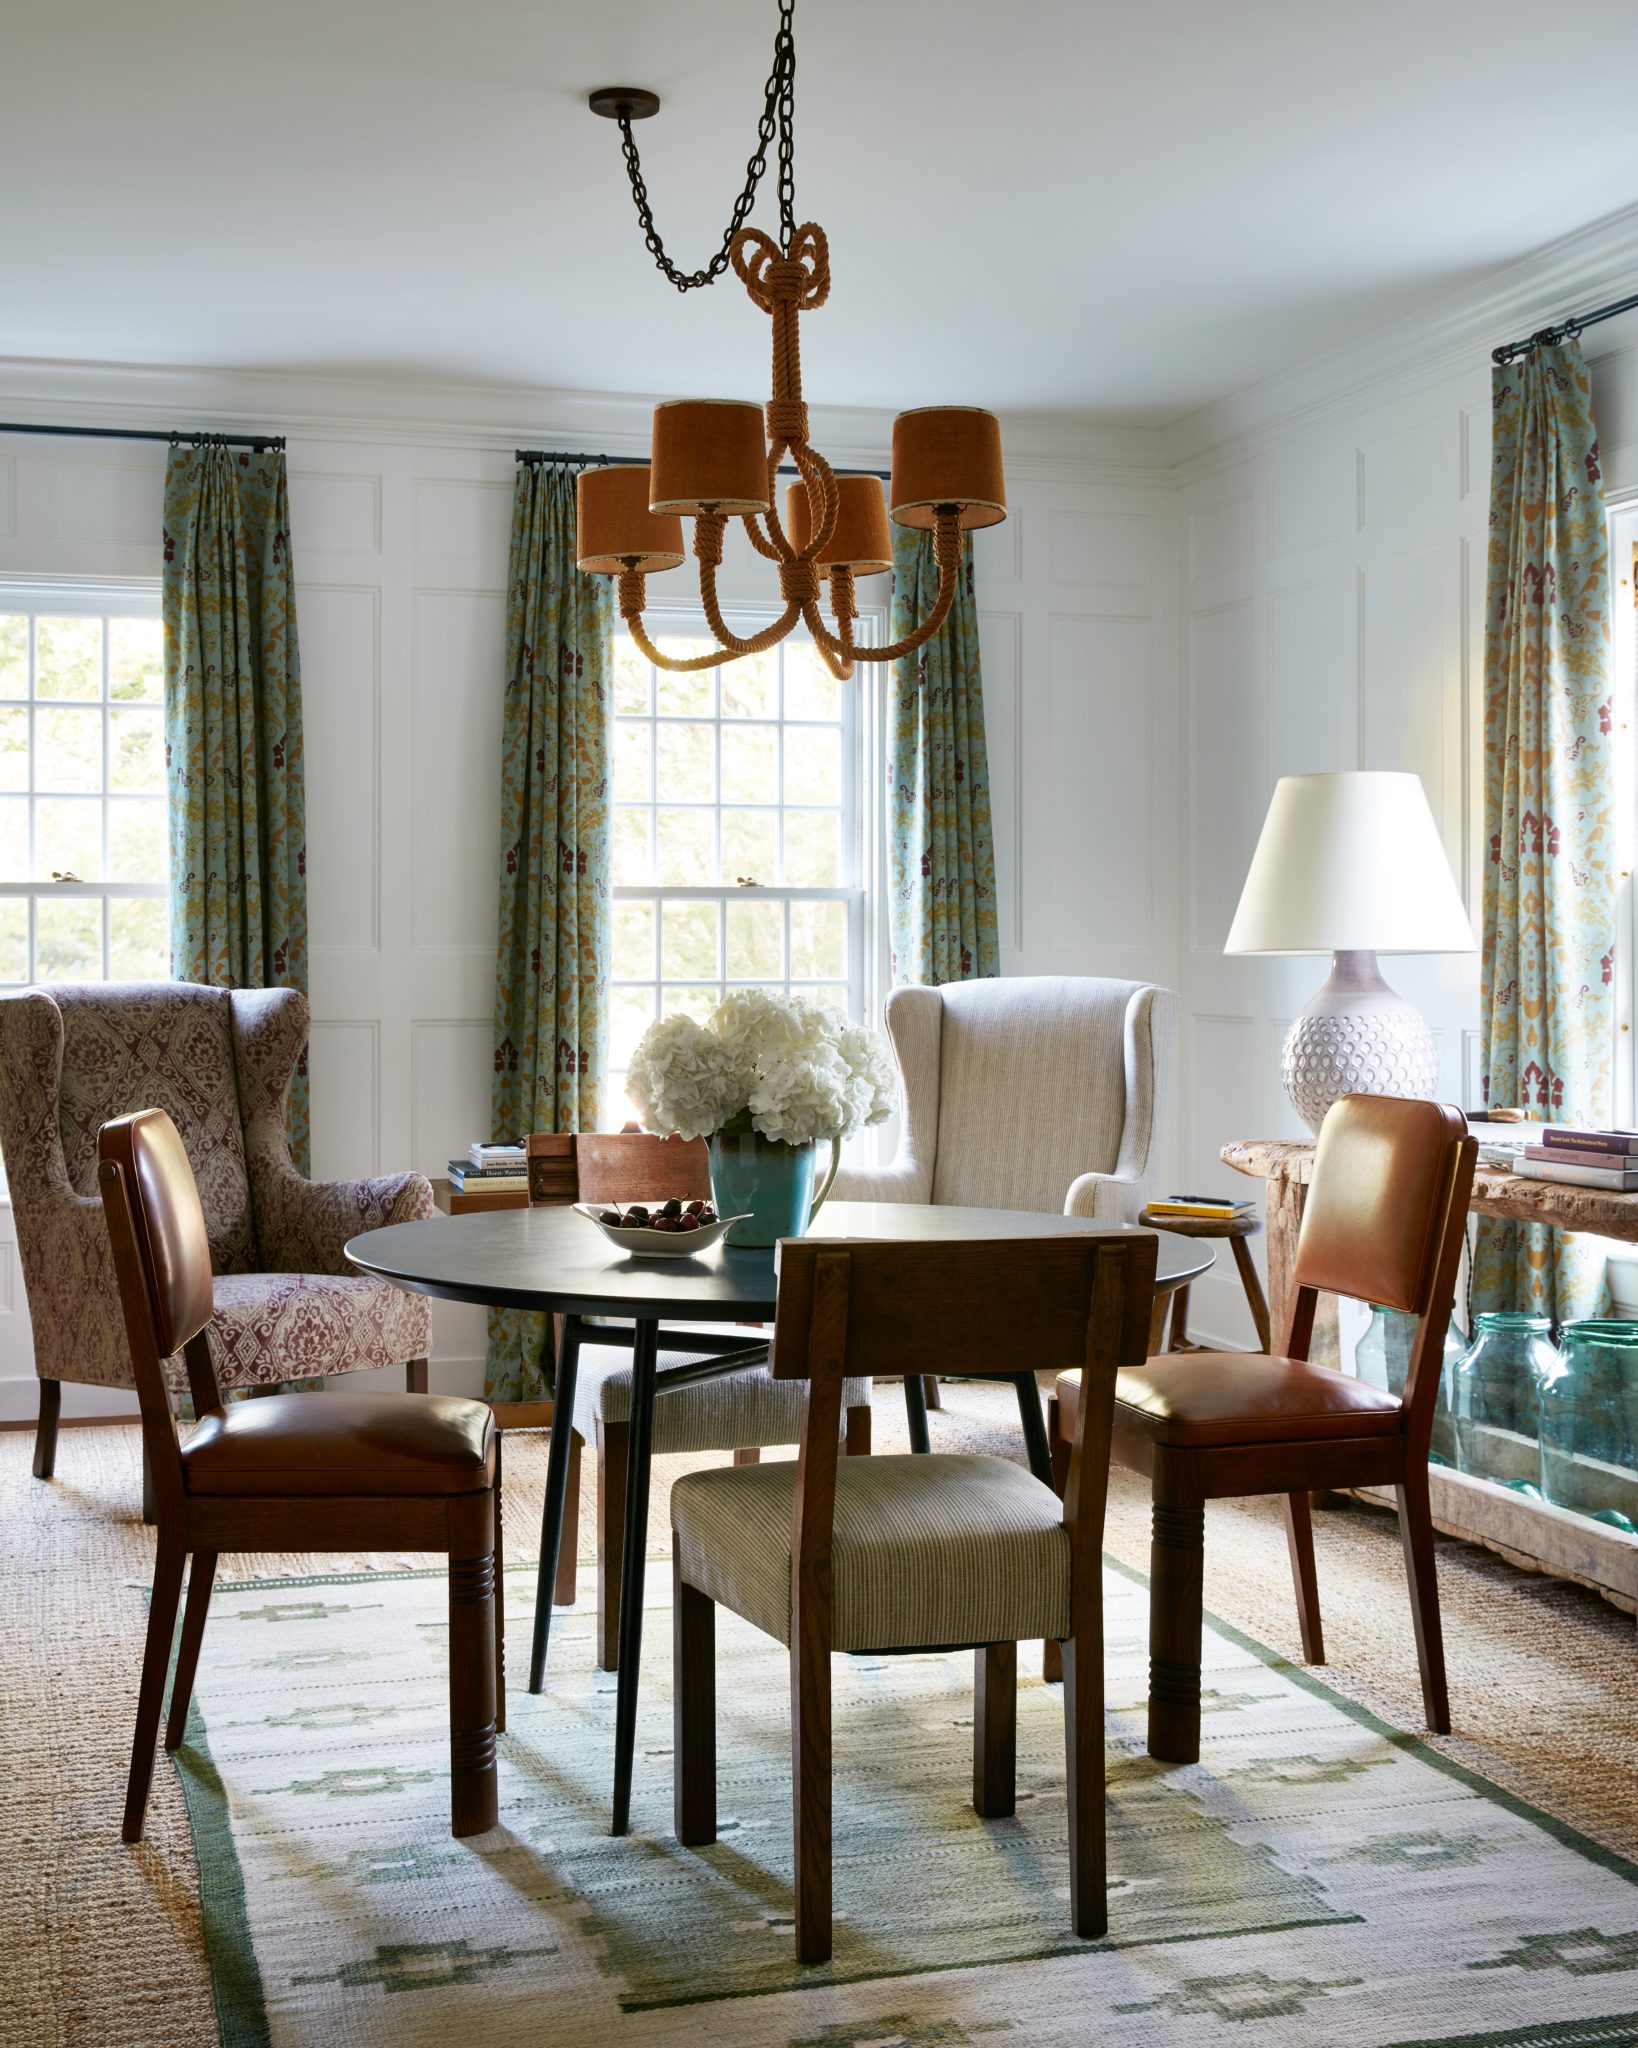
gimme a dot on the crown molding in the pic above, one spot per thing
(312, 407)
(1451, 337)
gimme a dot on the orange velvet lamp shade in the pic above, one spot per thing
(947, 455)
(615, 530)
(708, 451)
(860, 540)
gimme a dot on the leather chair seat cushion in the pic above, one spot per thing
(266, 1328)
(924, 1550)
(331, 1443)
(1237, 1397)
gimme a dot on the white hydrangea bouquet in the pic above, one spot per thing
(764, 1078)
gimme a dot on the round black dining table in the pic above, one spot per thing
(553, 1260)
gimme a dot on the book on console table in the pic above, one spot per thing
(1600, 1146)
(1580, 1170)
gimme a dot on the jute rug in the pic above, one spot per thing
(1317, 1874)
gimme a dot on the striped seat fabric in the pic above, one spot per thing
(747, 1409)
(924, 1550)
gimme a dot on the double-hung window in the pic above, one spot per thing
(737, 860)
(82, 787)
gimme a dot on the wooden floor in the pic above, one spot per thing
(101, 1943)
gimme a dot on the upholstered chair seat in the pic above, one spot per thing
(346, 1444)
(938, 1549)
(1240, 1397)
(749, 1411)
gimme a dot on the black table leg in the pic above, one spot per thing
(640, 1439)
(915, 1410)
(1035, 1435)
(557, 1486)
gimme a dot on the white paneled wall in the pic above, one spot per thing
(400, 546)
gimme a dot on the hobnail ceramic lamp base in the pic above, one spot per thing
(1357, 1037)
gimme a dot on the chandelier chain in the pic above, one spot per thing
(778, 116)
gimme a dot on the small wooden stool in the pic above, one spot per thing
(1236, 1229)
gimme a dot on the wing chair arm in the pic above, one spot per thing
(900, 1182)
(1110, 1197)
(303, 1225)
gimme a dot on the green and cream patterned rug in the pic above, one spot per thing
(1317, 1877)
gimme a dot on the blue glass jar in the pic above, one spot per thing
(1589, 1424)
(1495, 1397)
(1382, 1359)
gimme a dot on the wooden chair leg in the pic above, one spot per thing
(1255, 1299)
(930, 1387)
(474, 1793)
(1179, 1339)
(1052, 1653)
(1158, 1309)
(612, 1447)
(693, 1712)
(568, 1549)
(810, 1762)
(500, 1595)
(1416, 1534)
(147, 1490)
(1299, 1538)
(858, 1431)
(748, 1454)
(200, 1579)
(169, 1560)
(1176, 1591)
(1083, 1742)
(415, 1376)
(45, 1430)
(995, 1730)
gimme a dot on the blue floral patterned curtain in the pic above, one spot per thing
(552, 964)
(233, 740)
(1549, 894)
(941, 849)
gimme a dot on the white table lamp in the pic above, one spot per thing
(1352, 865)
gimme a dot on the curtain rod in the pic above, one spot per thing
(568, 461)
(175, 435)
(1549, 337)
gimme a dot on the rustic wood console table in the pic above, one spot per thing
(1531, 1533)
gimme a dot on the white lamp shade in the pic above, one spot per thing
(1350, 863)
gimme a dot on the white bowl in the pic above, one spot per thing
(658, 1244)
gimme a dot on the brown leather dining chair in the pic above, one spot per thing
(1384, 1222)
(918, 1552)
(305, 1471)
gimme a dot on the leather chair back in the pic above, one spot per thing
(1379, 1199)
(168, 1251)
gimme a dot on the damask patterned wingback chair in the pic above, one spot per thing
(219, 1062)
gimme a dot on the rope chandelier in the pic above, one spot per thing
(712, 460)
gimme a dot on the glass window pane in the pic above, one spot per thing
(691, 695)
(631, 1012)
(67, 748)
(679, 999)
(139, 939)
(13, 938)
(688, 941)
(136, 661)
(13, 654)
(813, 764)
(818, 940)
(633, 947)
(756, 940)
(136, 750)
(633, 846)
(750, 847)
(136, 840)
(14, 748)
(632, 760)
(631, 675)
(68, 838)
(831, 998)
(750, 765)
(68, 658)
(686, 856)
(813, 849)
(685, 764)
(750, 686)
(14, 839)
(68, 938)
(811, 691)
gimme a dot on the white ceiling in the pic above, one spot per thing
(1117, 212)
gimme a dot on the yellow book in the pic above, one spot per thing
(1189, 1205)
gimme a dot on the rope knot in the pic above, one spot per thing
(787, 420)
(799, 582)
(631, 593)
(708, 530)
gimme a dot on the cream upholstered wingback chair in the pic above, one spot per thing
(1044, 1092)
(219, 1062)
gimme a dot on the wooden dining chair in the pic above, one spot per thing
(1385, 1220)
(739, 1409)
(300, 1471)
(919, 1552)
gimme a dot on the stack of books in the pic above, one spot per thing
(494, 1169)
(1216, 1207)
(1584, 1159)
